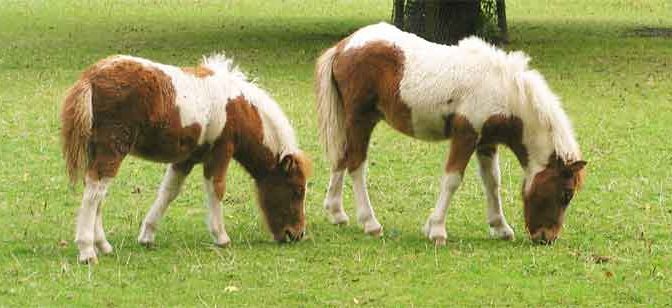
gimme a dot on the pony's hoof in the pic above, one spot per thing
(503, 233)
(376, 232)
(222, 241)
(336, 213)
(146, 241)
(88, 256)
(104, 247)
(436, 234)
(146, 237)
(339, 218)
(373, 228)
(439, 241)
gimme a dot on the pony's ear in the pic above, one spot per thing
(296, 163)
(577, 166)
(288, 164)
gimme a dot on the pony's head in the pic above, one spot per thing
(282, 193)
(548, 196)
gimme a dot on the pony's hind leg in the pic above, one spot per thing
(488, 166)
(359, 129)
(99, 233)
(462, 147)
(102, 169)
(170, 187)
(89, 231)
(333, 202)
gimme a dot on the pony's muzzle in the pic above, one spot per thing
(290, 236)
(544, 237)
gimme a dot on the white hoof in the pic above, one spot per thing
(146, 236)
(373, 228)
(88, 256)
(222, 240)
(336, 214)
(104, 247)
(339, 218)
(502, 232)
(435, 232)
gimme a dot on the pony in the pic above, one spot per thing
(474, 94)
(181, 116)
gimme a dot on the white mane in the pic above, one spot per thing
(278, 132)
(534, 90)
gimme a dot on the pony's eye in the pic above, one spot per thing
(298, 193)
(567, 196)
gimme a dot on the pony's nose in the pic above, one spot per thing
(543, 238)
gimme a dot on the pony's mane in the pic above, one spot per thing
(533, 93)
(278, 132)
(536, 92)
(220, 64)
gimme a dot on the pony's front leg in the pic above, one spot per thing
(461, 149)
(214, 184)
(215, 191)
(333, 202)
(170, 187)
(94, 193)
(488, 166)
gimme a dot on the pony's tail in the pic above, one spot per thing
(330, 113)
(76, 126)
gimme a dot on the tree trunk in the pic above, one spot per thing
(445, 21)
(501, 21)
(448, 21)
(398, 13)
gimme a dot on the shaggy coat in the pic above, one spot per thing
(472, 93)
(207, 114)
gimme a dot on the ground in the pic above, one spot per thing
(612, 71)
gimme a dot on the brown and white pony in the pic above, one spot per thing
(181, 116)
(473, 93)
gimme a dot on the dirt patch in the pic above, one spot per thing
(652, 32)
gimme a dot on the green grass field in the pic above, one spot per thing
(616, 248)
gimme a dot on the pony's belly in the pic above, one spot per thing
(430, 126)
(167, 145)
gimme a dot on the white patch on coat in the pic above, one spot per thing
(476, 80)
(202, 101)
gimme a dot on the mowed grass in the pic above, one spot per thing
(616, 248)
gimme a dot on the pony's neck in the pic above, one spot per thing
(257, 160)
(542, 147)
(278, 132)
(246, 125)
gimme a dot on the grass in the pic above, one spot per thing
(616, 87)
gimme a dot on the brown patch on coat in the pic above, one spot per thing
(133, 110)
(507, 130)
(367, 79)
(463, 143)
(550, 193)
(198, 71)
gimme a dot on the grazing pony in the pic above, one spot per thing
(474, 94)
(181, 116)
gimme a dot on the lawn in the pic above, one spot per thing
(616, 249)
